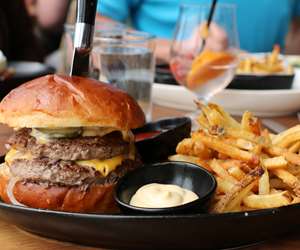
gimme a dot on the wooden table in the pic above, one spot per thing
(11, 238)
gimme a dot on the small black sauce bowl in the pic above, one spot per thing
(162, 145)
(183, 174)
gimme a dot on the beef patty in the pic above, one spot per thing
(80, 148)
(65, 173)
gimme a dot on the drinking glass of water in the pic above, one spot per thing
(126, 60)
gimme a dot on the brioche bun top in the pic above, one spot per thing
(63, 101)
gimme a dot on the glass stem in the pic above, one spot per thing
(204, 100)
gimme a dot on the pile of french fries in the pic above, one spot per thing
(254, 169)
(269, 64)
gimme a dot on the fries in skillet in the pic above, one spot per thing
(253, 168)
(271, 63)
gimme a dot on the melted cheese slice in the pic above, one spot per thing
(104, 166)
(13, 154)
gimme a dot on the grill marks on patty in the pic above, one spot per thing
(54, 163)
(80, 148)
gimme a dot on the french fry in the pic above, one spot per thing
(272, 59)
(288, 179)
(224, 186)
(239, 143)
(291, 157)
(193, 148)
(264, 184)
(191, 159)
(244, 144)
(257, 149)
(274, 191)
(268, 200)
(245, 122)
(289, 139)
(275, 162)
(238, 192)
(245, 209)
(213, 117)
(250, 123)
(238, 198)
(202, 121)
(236, 172)
(294, 148)
(221, 172)
(278, 138)
(229, 121)
(239, 133)
(296, 200)
(229, 163)
(267, 137)
(224, 148)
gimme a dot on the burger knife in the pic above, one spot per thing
(83, 37)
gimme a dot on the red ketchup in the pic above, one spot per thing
(146, 135)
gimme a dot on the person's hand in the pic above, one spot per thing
(216, 38)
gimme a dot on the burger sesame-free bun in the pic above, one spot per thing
(95, 198)
(64, 101)
(98, 198)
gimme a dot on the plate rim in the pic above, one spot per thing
(294, 91)
(251, 213)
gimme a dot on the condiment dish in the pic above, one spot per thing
(183, 174)
(159, 146)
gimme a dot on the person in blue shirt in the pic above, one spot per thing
(260, 23)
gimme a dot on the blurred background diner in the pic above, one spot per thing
(31, 29)
(260, 24)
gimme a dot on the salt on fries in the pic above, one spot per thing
(253, 168)
(269, 64)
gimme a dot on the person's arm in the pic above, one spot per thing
(51, 14)
(293, 38)
(217, 40)
(104, 19)
(162, 50)
(17, 39)
(162, 46)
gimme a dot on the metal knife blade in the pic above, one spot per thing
(83, 37)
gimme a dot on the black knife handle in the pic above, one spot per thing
(86, 11)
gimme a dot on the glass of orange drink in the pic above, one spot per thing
(204, 57)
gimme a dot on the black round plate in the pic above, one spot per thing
(24, 71)
(201, 231)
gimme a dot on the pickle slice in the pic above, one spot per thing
(59, 132)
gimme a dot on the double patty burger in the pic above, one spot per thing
(71, 143)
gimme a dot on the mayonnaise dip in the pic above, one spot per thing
(157, 195)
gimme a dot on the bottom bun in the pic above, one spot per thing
(97, 198)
